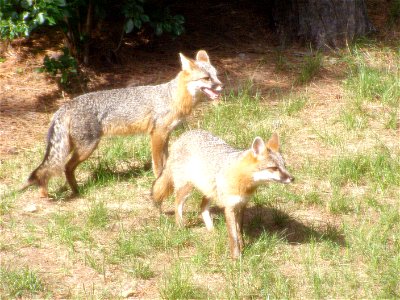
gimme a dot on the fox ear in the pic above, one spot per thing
(187, 64)
(202, 56)
(273, 143)
(258, 146)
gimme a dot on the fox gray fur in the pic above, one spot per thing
(77, 127)
(221, 173)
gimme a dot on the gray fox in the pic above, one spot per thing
(200, 160)
(78, 125)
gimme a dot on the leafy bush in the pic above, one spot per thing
(162, 21)
(65, 65)
(76, 19)
(19, 18)
(394, 12)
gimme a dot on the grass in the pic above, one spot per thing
(294, 104)
(394, 12)
(392, 121)
(119, 159)
(379, 169)
(372, 84)
(98, 215)
(281, 63)
(310, 68)
(354, 118)
(240, 131)
(6, 203)
(341, 203)
(164, 237)
(177, 284)
(255, 274)
(62, 228)
(140, 269)
(331, 234)
(17, 283)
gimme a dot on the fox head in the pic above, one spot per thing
(263, 162)
(268, 164)
(201, 76)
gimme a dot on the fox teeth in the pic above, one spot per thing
(211, 93)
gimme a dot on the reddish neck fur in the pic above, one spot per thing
(240, 176)
(183, 102)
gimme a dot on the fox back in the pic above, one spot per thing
(78, 126)
(218, 170)
(143, 108)
(222, 173)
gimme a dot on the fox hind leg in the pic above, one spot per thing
(43, 190)
(181, 196)
(78, 156)
(159, 151)
(39, 177)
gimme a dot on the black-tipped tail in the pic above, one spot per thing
(32, 180)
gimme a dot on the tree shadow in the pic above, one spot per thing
(47, 103)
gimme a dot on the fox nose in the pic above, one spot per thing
(218, 86)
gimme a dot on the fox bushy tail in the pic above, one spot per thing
(57, 150)
(163, 186)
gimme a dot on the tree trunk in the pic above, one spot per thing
(88, 33)
(4, 46)
(324, 23)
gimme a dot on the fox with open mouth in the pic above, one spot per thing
(77, 127)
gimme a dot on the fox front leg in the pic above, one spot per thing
(239, 212)
(234, 234)
(205, 213)
(159, 151)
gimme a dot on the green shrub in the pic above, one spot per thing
(65, 65)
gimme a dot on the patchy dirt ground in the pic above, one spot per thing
(28, 98)
(241, 49)
(240, 46)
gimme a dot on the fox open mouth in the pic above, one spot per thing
(212, 94)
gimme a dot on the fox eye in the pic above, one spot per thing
(206, 78)
(273, 169)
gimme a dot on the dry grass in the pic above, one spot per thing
(332, 234)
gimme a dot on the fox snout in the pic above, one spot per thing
(211, 93)
(214, 91)
(218, 87)
(275, 175)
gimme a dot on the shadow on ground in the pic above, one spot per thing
(102, 176)
(259, 219)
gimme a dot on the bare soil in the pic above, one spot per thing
(239, 46)
(29, 98)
